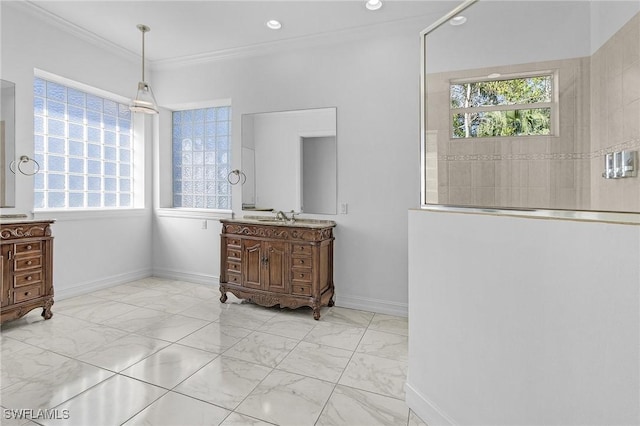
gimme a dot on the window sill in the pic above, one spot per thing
(72, 215)
(194, 213)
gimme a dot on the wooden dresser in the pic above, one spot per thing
(275, 263)
(26, 268)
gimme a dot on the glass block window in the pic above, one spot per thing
(83, 144)
(202, 158)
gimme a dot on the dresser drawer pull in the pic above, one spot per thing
(26, 293)
(29, 247)
(30, 262)
(29, 278)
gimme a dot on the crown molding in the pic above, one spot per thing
(297, 43)
(266, 48)
(72, 29)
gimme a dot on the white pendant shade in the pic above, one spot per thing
(144, 101)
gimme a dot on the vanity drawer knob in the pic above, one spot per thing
(29, 262)
(29, 278)
(301, 275)
(301, 262)
(26, 293)
(29, 247)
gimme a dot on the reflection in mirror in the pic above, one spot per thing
(7, 143)
(289, 159)
(521, 113)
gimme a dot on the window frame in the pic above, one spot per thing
(554, 128)
(136, 162)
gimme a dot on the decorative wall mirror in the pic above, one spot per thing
(532, 105)
(7, 143)
(289, 160)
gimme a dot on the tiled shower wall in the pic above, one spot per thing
(530, 171)
(615, 115)
(599, 101)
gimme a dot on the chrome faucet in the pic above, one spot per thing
(281, 216)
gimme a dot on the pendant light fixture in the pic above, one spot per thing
(144, 101)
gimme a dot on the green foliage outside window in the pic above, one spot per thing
(481, 109)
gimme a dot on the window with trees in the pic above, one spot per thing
(523, 105)
(202, 158)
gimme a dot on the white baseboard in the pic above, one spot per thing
(89, 286)
(372, 305)
(196, 278)
(429, 412)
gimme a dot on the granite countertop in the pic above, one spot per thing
(270, 221)
(18, 220)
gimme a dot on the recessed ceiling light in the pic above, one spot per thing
(373, 4)
(458, 20)
(273, 24)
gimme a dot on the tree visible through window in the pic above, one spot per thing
(521, 106)
(202, 158)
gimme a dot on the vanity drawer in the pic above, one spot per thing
(23, 263)
(301, 262)
(24, 279)
(301, 275)
(233, 278)
(28, 248)
(27, 293)
(233, 254)
(233, 267)
(297, 249)
(233, 242)
(301, 289)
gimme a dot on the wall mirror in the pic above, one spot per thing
(7, 143)
(289, 159)
(532, 105)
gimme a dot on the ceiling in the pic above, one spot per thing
(183, 29)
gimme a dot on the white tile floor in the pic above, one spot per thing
(163, 352)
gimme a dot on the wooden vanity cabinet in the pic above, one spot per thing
(26, 268)
(278, 264)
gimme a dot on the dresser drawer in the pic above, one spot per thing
(301, 289)
(298, 249)
(303, 275)
(27, 293)
(301, 262)
(23, 263)
(28, 248)
(233, 278)
(233, 254)
(233, 267)
(233, 242)
(28, 278)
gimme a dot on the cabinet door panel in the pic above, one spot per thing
(5, 273)
(251, 264)
(277, 255)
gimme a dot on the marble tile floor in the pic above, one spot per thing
(166, 352)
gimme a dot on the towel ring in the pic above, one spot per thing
(23, 160)
(240, 176)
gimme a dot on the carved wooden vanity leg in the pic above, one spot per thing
(223, 295)
(316, 312)
(46, 311)
(331, 302)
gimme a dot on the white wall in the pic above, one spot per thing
(373, 80)
(523, 321)
(90, 250)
